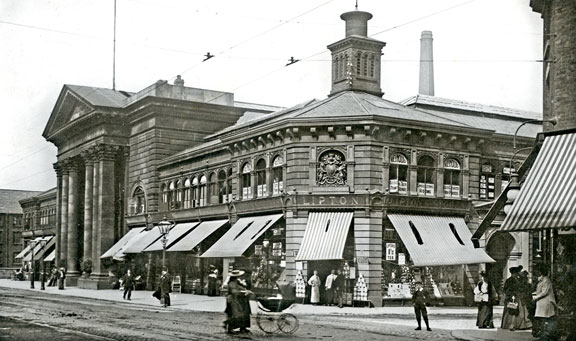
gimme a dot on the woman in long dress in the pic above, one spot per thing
(515, 291)
(237, 304)
(314, 283)
(485, 290)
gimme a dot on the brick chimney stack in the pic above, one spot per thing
(426, 81)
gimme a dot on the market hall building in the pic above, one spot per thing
(382, 191)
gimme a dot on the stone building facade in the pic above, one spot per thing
(353, 166)
(11, 226)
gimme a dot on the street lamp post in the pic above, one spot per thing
(43, 276)
(32, 247)
(164, 227)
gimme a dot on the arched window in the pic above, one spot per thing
(365, 65)
(331, 169)
(202, 191)
(451, 178)
(487, 182)
(246, 183)
(261, 179)
(194, 192)
(187, 196)
(398, 174)
(177, 194)
(213, 189)
(372, 66)
(358, 63)
(164, 190)
(222, 189)
(138, 201)
(425, 176)
(277, 175)
(229, 185)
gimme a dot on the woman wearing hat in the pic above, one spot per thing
(484, 294)
(237, 304)
(514, 288)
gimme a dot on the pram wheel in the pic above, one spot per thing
(288, 323)
(267, 323)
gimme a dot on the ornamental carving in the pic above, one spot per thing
(331, 169)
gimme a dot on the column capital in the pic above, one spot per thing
(58, 169)
(106, 152)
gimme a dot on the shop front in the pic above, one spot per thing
(435, 250)
(255, 244)
(328, 247)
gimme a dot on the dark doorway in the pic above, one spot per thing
(499, 247)
(324, 267)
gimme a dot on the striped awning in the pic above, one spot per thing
(50, 243)
(37, 248)
(51, 256)
(241, 236)
(196, 236)
(116, 249)
(23, 252)
(325, 236)
(547, 199)
(175, 233)
(437, 241)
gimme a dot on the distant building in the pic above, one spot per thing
(11, 225)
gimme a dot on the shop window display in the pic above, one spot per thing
(398, 174)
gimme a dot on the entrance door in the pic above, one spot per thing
(324, 268)
(499, 247)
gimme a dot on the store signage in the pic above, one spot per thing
(401, 259)
(330, 200)
(391, 251)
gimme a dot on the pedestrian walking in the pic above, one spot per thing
(484, 295)
(237, 304)
(61, 278)
(129, 282)
(419, 299)
(165, 288)
(516, 301)
(545, 314)
(314, 283)
(329, 287)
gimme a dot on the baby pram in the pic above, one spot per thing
(270, 317)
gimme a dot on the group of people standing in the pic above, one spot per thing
(523, 308)
(333, 288)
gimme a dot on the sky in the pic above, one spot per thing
(485, 51)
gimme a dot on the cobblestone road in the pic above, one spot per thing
(27, 315)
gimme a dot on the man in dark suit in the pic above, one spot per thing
(419, 299)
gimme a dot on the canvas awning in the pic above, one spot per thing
(437, 241)
(117, 248)
(51, 256)
(196, 235)
(241, 236)
(175, 233)
(325, 236)
(141, 241)
(23, 252)
(547, 199)
(37, 248)
(51, 241)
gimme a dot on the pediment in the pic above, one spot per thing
(69, 107)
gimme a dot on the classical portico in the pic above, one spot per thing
(87, 206)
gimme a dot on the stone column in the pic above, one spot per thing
(58, 170)
(95, 208)
(73, 201)
(88, 182)
(106, 205)
(64, 216)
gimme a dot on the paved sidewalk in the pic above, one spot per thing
(460, 320)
